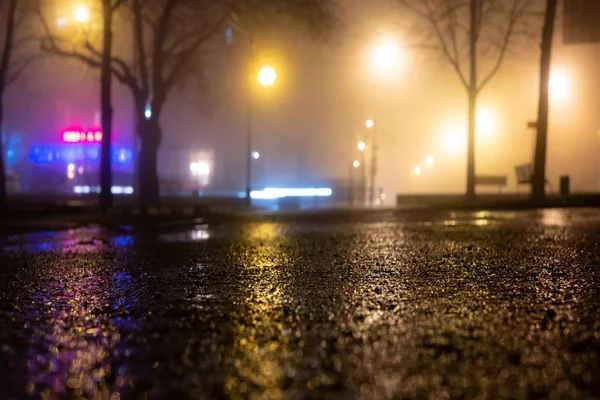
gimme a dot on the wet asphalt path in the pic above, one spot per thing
(423, 304)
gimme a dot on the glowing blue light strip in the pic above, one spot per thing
(96, 189)
(279, 193)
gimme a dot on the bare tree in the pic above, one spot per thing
(96, 50)
(474, 37)
(109, 8)
(169, 37)
(13, 62)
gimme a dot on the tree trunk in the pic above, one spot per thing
(472, 127)
(149, 190)
(539, 166)
(472, 92)
(2, 171)
(106, 199)
(4, 69)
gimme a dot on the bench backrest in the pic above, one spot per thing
(524, 173)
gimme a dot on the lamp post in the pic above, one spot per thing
(266, 77)
(384, 58)
(373, 170)
(361, 148)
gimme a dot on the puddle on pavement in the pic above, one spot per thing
(92, 239)
(196, 234)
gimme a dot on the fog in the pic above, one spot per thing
(307, 125)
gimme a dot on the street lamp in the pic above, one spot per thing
(486, 121)
(417, 170)
(560, 85)
(385, 55)
(266, 77)
(361, 145)
(82, 14)
(356, 164)
(371, 126)
(429, 160)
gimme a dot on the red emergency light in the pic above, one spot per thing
(81, 136)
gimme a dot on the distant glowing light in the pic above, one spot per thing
(80, 170)
(361, 145)
(61, 22)
(356, 164)
(200, 169)
(453, 141)
(429, 160)
(267, 76)
(369, 123)
(279, 193)
(385, 56)
(85, 189)
(78, 136)
(82, 14)
(71, 168)
(229, 35)
(559, 85)
(148, 112)
(417, 170)
(486, 121)
(255, 155)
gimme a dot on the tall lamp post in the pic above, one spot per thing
(373, 170)
(363, 179)
(266, 77)
(351, 190)
(384, 60)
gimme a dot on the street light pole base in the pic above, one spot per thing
(248, 198)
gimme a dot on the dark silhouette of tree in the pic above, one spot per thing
(13, 14)
(82, 44)
(538, 182)
(168, 38)
(474, 37)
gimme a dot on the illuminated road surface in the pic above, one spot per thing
(425, 304)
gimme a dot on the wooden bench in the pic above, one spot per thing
(491, 180)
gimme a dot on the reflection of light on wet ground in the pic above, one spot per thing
(554, 217)
(481, 222)
(198, 233)
(75, 349)
(262, 331)
(81, 240)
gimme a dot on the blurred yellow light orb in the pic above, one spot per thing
(266, 76)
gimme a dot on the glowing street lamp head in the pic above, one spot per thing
(266, 76)
(82, 14)
(356, 164)
(369, 123)
(361, 145)
(417, 170)
(429, 160)
(559, 85)
(486, 121)
(453, 141)
(255, 155)
(385, 56)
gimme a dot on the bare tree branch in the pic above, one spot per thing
(18, 68)
(514, 16)
(455, 62)
(185, 56)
